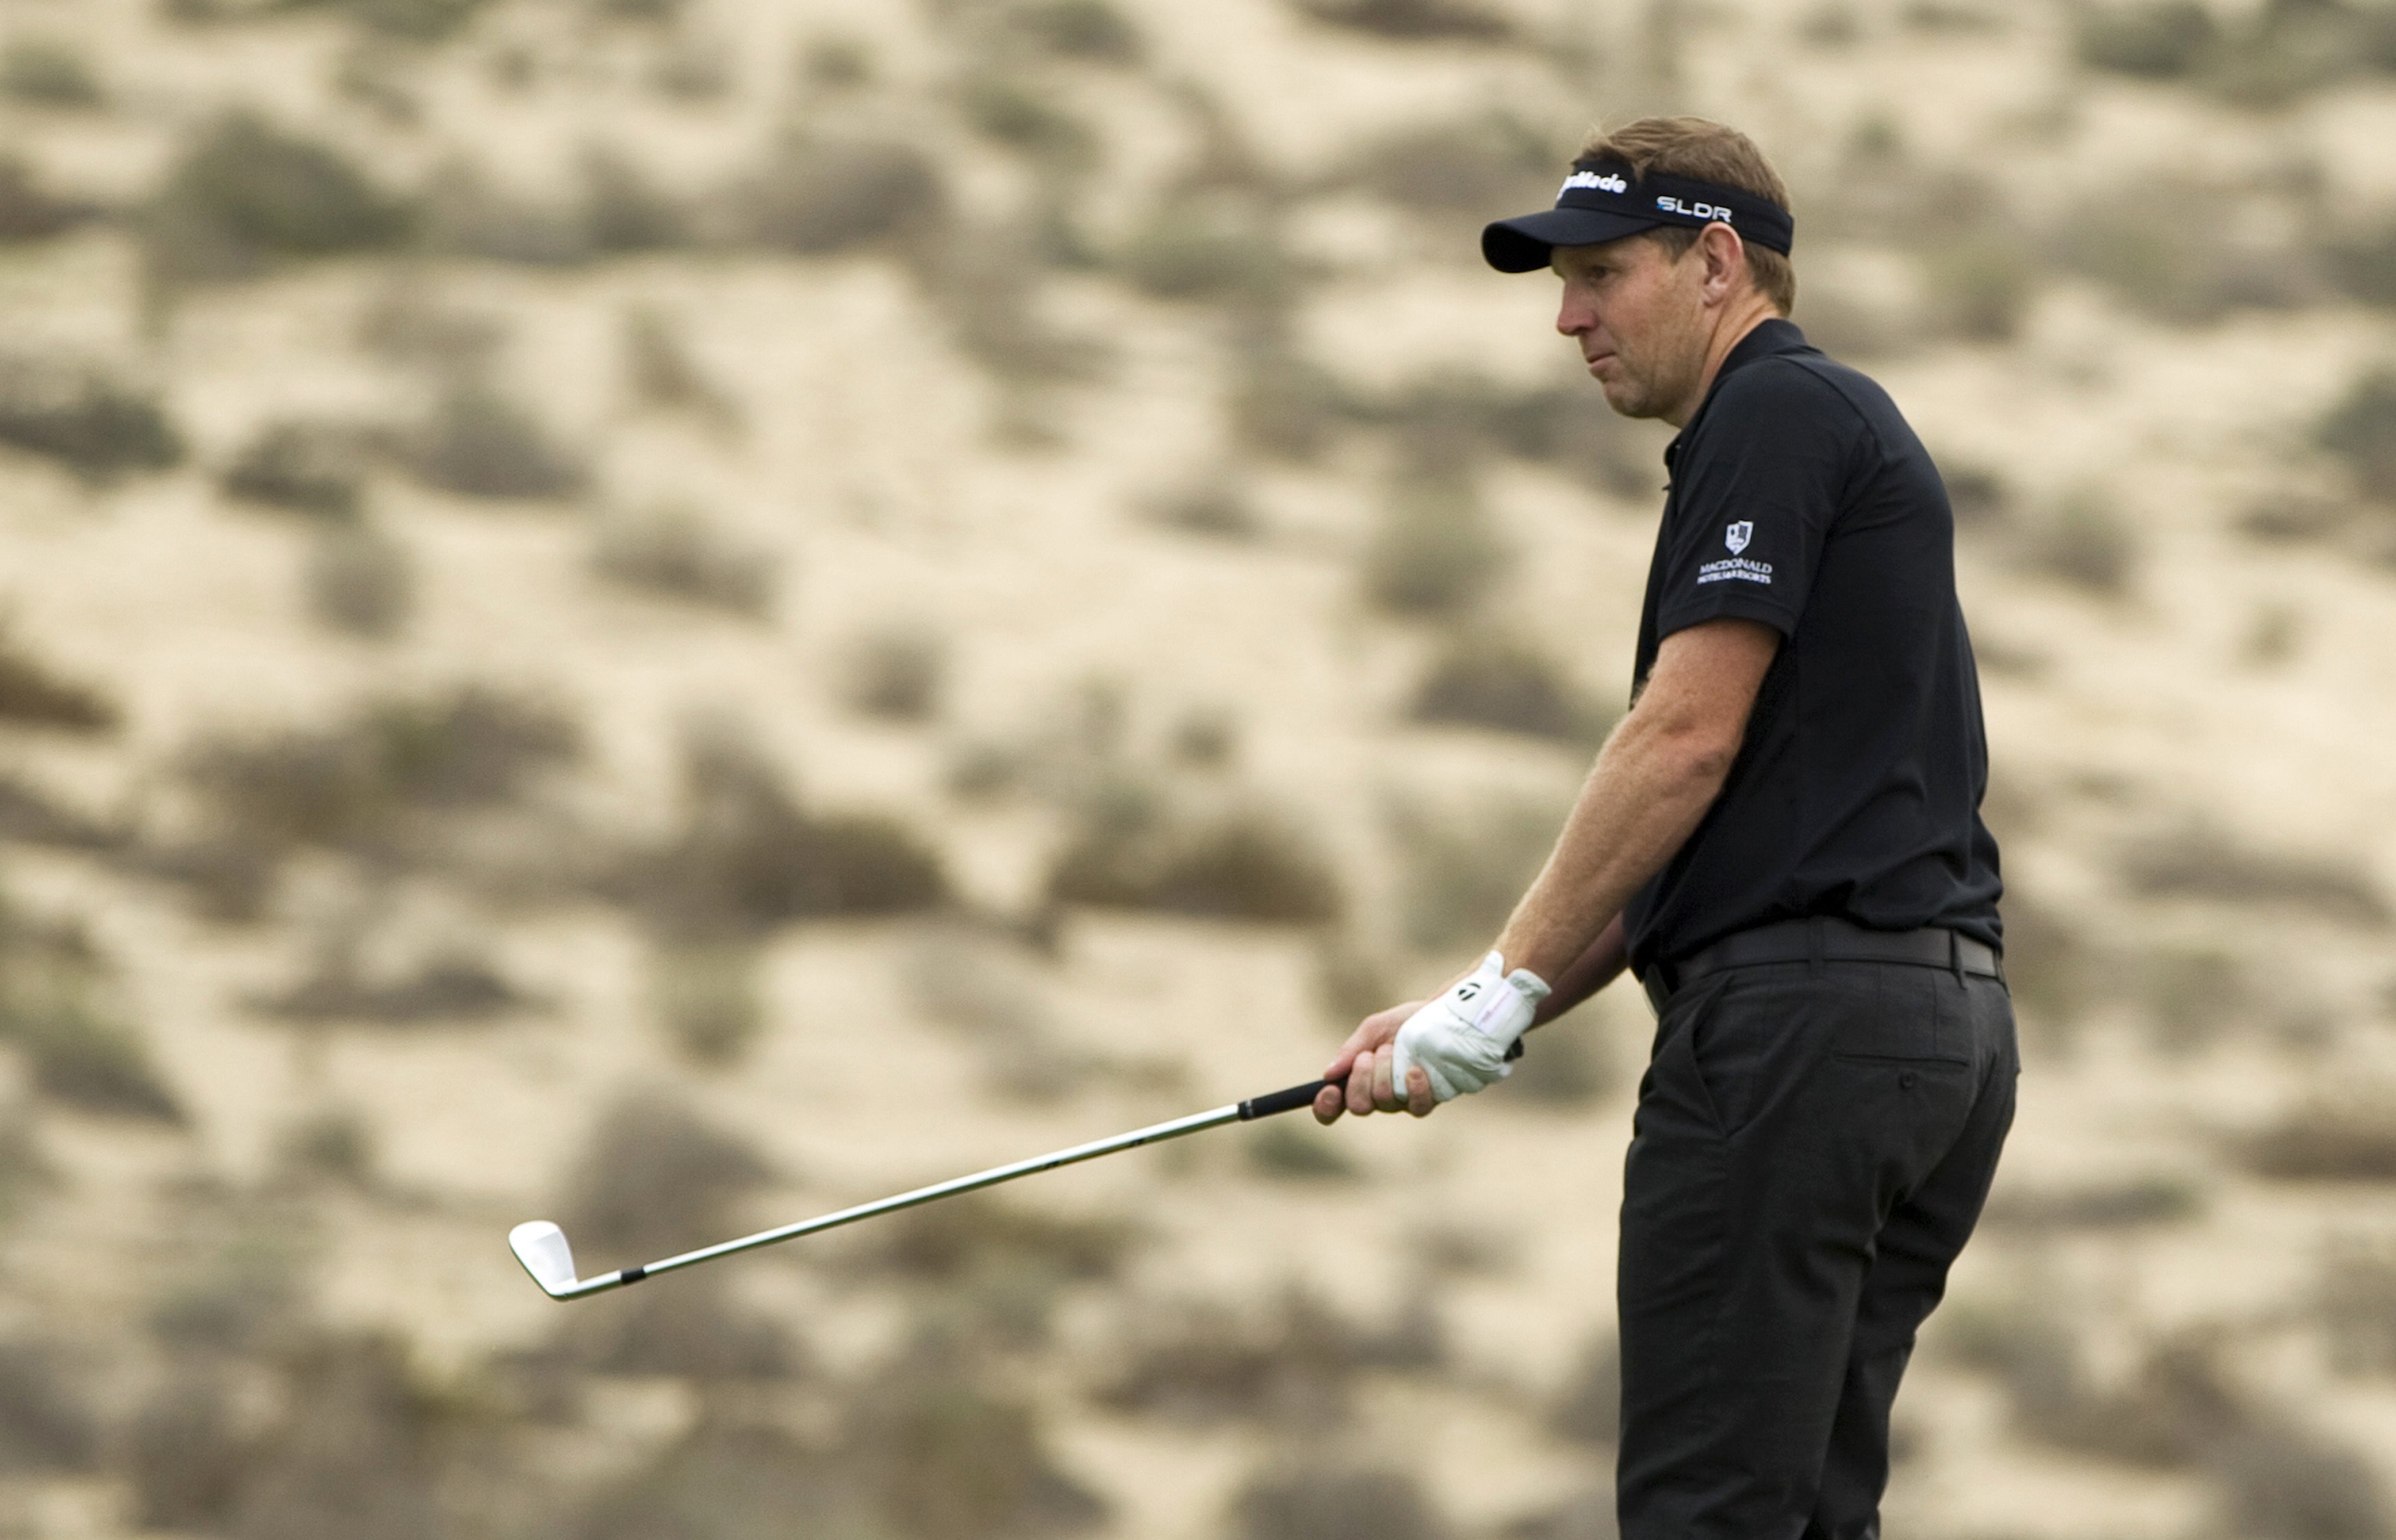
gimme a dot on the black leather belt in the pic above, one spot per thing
(1825, 940)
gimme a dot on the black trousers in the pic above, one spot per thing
(1812, 1147)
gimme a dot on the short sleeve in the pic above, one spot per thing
(1753, 500)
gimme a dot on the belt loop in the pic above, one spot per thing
(1814, 946)
(1955, 954)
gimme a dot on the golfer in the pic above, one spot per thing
(1782, 841)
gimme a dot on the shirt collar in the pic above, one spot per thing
(1778, 335)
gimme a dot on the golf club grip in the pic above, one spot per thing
(1284, 1101)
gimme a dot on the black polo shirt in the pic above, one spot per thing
(1801, 498)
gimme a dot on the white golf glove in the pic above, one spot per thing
(1463, 1038)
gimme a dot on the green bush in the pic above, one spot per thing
(246, 192)
(697, 1331)
(186, 1454)
(1979, 288)
(1289, 1151)
(2207, 864)
(1215, 247)
(2084, 543)
(1460, 874)
(478, 443)
(1023, 115)
(77, 415)
(2345, 1136)
(895, 672)
(673, 552)
(2361, 430)
(42, 72)
(1486, 166)
(1214, 506)
(453, 987)
(822, 195)
(417, 20)
(1295, 1365)
(89, 1059)
(1283, 406)
(943, 1458)
(705, 999)
(47, 1421)
(1092, 30)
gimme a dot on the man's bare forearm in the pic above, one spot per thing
(1593, 971)
(1646, 795)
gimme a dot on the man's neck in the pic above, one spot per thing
(1728, 333)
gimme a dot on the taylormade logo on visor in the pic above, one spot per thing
(1605, 183)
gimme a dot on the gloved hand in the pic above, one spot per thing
(1462, 1038)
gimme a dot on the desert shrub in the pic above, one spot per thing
(1479, 165)
(2181, 251)
(360, 1449)
(1568, 426)
(305, 465)
(704, 998)
(1412, 20)
(1092, 30)
(1588, 1408)
(361, 581)
(32, 695)
(1506, 685)
(2051, 969)
(28, 211)
(2172, 1410)
(748, 858)
(696, 1330)
(2361, 430)
(1212, 246)
(2084, 541)
(661, 373)
(2343, 1137)
(1350, 1502)
(895, 672)
(43, 71)
(837, 62)
(2206, 863)
(418, 20)
(23, 1171)
(1289, 1151)
(82, 417)
(91, 1060)
(1131, 852)
(1432, 551)
(1295, 1363)
(726, 1480)
(654, 1179)
(1979, 286)
(184, 1453)
(408, 325)
(1215, 506)
(466, 213)
(2279, 1476)
(28, 815)
(478, 443)
(2355, 1299)
(1281, 405)
(246, 192)
(1460, 873)
(943, 1458)
(950, 1243)
(1023, 115)
(451, 988)
(821, 196)
(2193, 995)
(2363, 261)
(624, 210)
(1564, 1069)
(2152, 39)
(1586, 1515)
(46, 1422)
(674, 551)
(333, 1143)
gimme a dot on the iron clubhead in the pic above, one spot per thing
(541, 1247)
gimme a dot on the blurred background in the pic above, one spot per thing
(672, 614)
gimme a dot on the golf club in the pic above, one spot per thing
(544, 1249)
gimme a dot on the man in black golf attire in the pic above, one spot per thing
(1783, 842)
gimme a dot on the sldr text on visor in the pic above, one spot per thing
(1605, 201)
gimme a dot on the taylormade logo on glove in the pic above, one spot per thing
(1463, 1038)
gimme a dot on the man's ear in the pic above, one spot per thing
(1726, 259)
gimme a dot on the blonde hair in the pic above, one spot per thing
(1712, 151)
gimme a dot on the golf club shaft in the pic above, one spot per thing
(1246, 1112)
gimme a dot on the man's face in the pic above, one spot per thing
(1639, 315)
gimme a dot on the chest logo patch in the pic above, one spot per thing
(1738, 535)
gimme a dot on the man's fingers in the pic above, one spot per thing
(1329, 1103)
(1385, 1079)
(1419, 1099)
(1359, 1084)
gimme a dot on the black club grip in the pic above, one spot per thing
(1284, 1101)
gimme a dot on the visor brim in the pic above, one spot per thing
(1523, 245)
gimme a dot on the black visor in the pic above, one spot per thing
(1602, 201)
